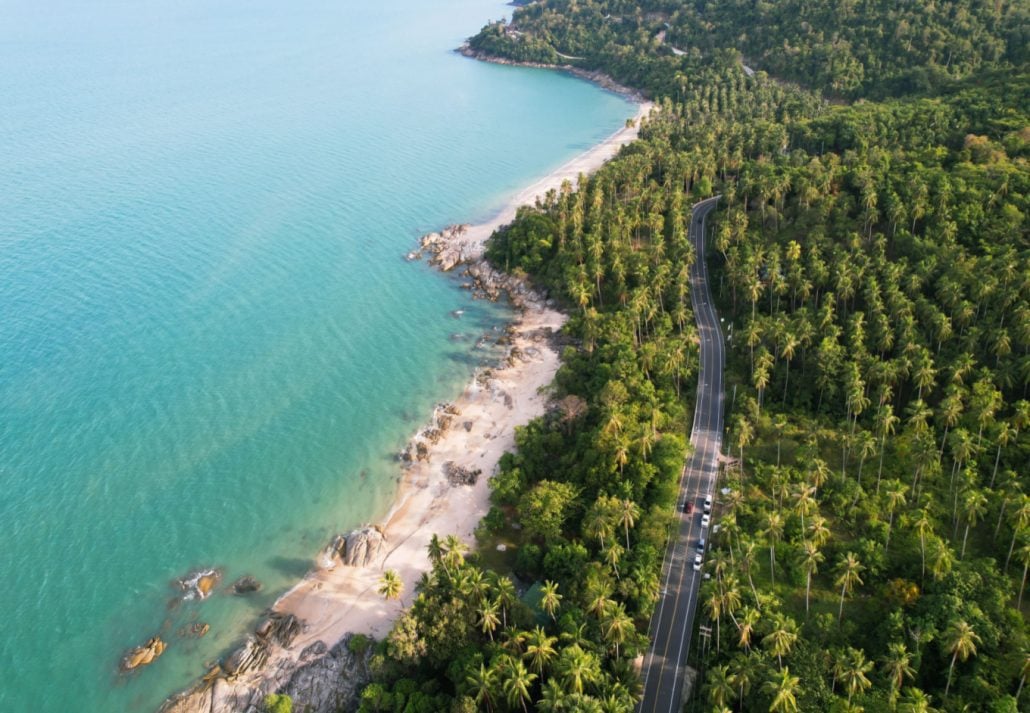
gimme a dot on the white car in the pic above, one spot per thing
(705, 520)
(697, 563)
(708, 503)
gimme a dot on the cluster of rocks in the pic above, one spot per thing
(448, 248)
(461, 475)
(359, 548)
(246, 585)
(277, 630)
(417, 449)
(143, 655)
(199, 584)
(195, 630)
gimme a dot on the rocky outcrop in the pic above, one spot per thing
(331, 682)
(447, 249)
(363, 547)
(143, 655)
(246, 585)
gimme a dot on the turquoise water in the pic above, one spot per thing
(210, 345)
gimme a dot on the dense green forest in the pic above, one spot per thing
(872, 262)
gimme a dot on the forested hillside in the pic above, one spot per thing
(872, 263)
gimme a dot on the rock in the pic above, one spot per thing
(246, 585)
(468, 425)
(333, 552)
(143, 655)
(200, 583)
(363, 547)
(461, 475)
(331, 682)
(194, 631)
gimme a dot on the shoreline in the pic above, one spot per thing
(332, 602)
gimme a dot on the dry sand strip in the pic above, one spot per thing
(332, 603)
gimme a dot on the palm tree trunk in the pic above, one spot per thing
(964, 537)
(997, 457)
(951, 669)
(840, 614)
(808, 590)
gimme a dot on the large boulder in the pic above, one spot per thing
(246, 585)
(363, 546)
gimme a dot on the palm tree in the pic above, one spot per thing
(435, 550)
(517, 681)
(782, 638)
(390, 584)
(550, 600)
(1024, 556)
(897, 666)
(974, 506)
(617, 626)
(719, 685)
(454, 551)
(552, 699)
(539, 649)
(488, 619)
(482, 684)
(915, 701)
(578, 668)
(1024, 671)
(629, 511)
(746, 626)
(783, 689)
(506, 595)
(941, 558)
(818, 532)
(811, 558)
(923, 526)
(960, 640)
(853, 672)
(597, 525)
(773, 532)
(895, 494)
(850, 568)
(1020, 519)
(745, 668)
(886, 422)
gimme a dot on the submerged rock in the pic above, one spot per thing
(246, 585)
(143, 655)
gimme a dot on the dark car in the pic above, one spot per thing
(688, 507)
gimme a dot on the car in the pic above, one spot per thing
(705, 519)
(708, 503)
(701, 546)
(688, 507)
(697, 563)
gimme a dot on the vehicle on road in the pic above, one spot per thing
(697, 563)
(688, 507)
(705, 520)
(701, 546)
(708, 503)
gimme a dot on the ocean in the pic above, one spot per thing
(211, 345)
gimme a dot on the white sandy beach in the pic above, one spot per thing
(332, 603)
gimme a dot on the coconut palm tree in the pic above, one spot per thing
(818, 532)
(488, 619)
(810, 558)
(578, 668)
(915, 701)
(923, 526)
(1024, 556)
(553, 697)
(482, 683)
(850, 569)
(897, 666)
(454, 552)
(781, 639)
(436, 550)
(1024, 671)
(783, 689)
(617, 626)
(719, 686)
(749, 618)
(539, 649)
(853, 672)
(974, 506)
(773, 532)
(517, 682)
(506, 595)
(960, 641)
(895, 496)
(550, 599)
(744, 670)
(391, 585)
(628, 512)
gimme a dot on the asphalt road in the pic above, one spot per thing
(673, 619)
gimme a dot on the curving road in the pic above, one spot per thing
(673, 620)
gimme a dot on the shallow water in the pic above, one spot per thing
(210, 345)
